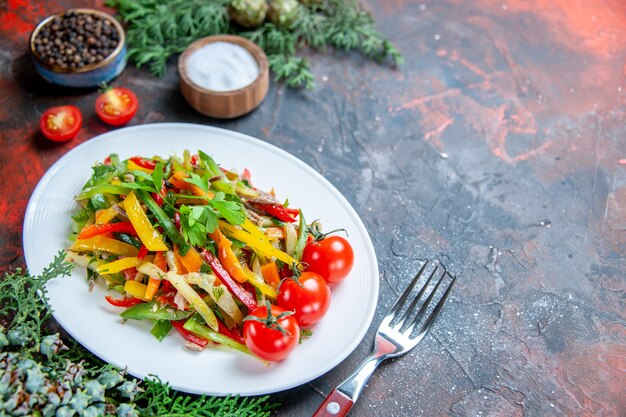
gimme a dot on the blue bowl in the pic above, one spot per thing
(90, 75)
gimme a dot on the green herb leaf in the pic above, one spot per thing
(199, 181)
(218, 292)
(229, 210)
(193, 230)
(99, 202)
(210, 164)
(305, 334)
(101, 174)
(210, 222)
(157, 176)
(81, 218)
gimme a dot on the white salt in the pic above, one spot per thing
(222, 66)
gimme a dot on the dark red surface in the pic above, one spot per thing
(500, 147)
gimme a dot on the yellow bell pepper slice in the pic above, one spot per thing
(105, 216)
(261, 246)
(104, 244)
(86, 261)
(119, 265)
(136, 289)
(252, 228)
(232, 265)
(258, 282)
(148, 234)
(131, 166)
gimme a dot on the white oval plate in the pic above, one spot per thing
(214, 371)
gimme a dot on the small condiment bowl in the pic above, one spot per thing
(90, 75)
(225, 104)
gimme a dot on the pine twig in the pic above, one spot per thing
(158, 30)
(42, 376)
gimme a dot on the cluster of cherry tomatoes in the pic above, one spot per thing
(115, 106)
(302, 301)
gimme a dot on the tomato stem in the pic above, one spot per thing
(271, 321)
(296, 275)
(103, 87)
(316, 230)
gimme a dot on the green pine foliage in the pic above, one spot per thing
(160, 29)
(42, 376)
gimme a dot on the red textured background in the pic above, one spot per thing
(499, 146)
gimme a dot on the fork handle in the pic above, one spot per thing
(341, 399)
(337, 404)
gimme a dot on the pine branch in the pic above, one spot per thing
(158, 30)
(23, 307)
(42, 376)
(294, 70)
(164, 402)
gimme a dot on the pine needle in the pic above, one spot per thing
(158, 30)
(43, 376)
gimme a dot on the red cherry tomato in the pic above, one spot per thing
(309, 298)
(116, 106)
(331, 257)
(61, 123)
(263, 337)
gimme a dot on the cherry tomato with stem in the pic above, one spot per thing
(270, 332)
(116, 106)
(331, 257)
(308, 295)
(61, 123)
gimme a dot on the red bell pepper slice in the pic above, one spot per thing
(144, 163)
(130, 273)
(194, 159)
(187, 335)
(100, 229)
(123, 302)
(158, 197)
(168, 299)
(143, 252)
(166, 286)
(238, 291)
(230, 333)
(276, 210)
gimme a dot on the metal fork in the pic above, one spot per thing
(402, 328)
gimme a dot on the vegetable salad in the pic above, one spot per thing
(197, 249)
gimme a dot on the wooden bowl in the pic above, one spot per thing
(225, 104)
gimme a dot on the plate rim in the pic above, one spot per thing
(96, 141)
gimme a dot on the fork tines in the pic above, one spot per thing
(422, 300)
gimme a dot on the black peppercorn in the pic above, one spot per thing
(76, 39)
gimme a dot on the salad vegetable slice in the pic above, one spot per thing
(195, 247)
